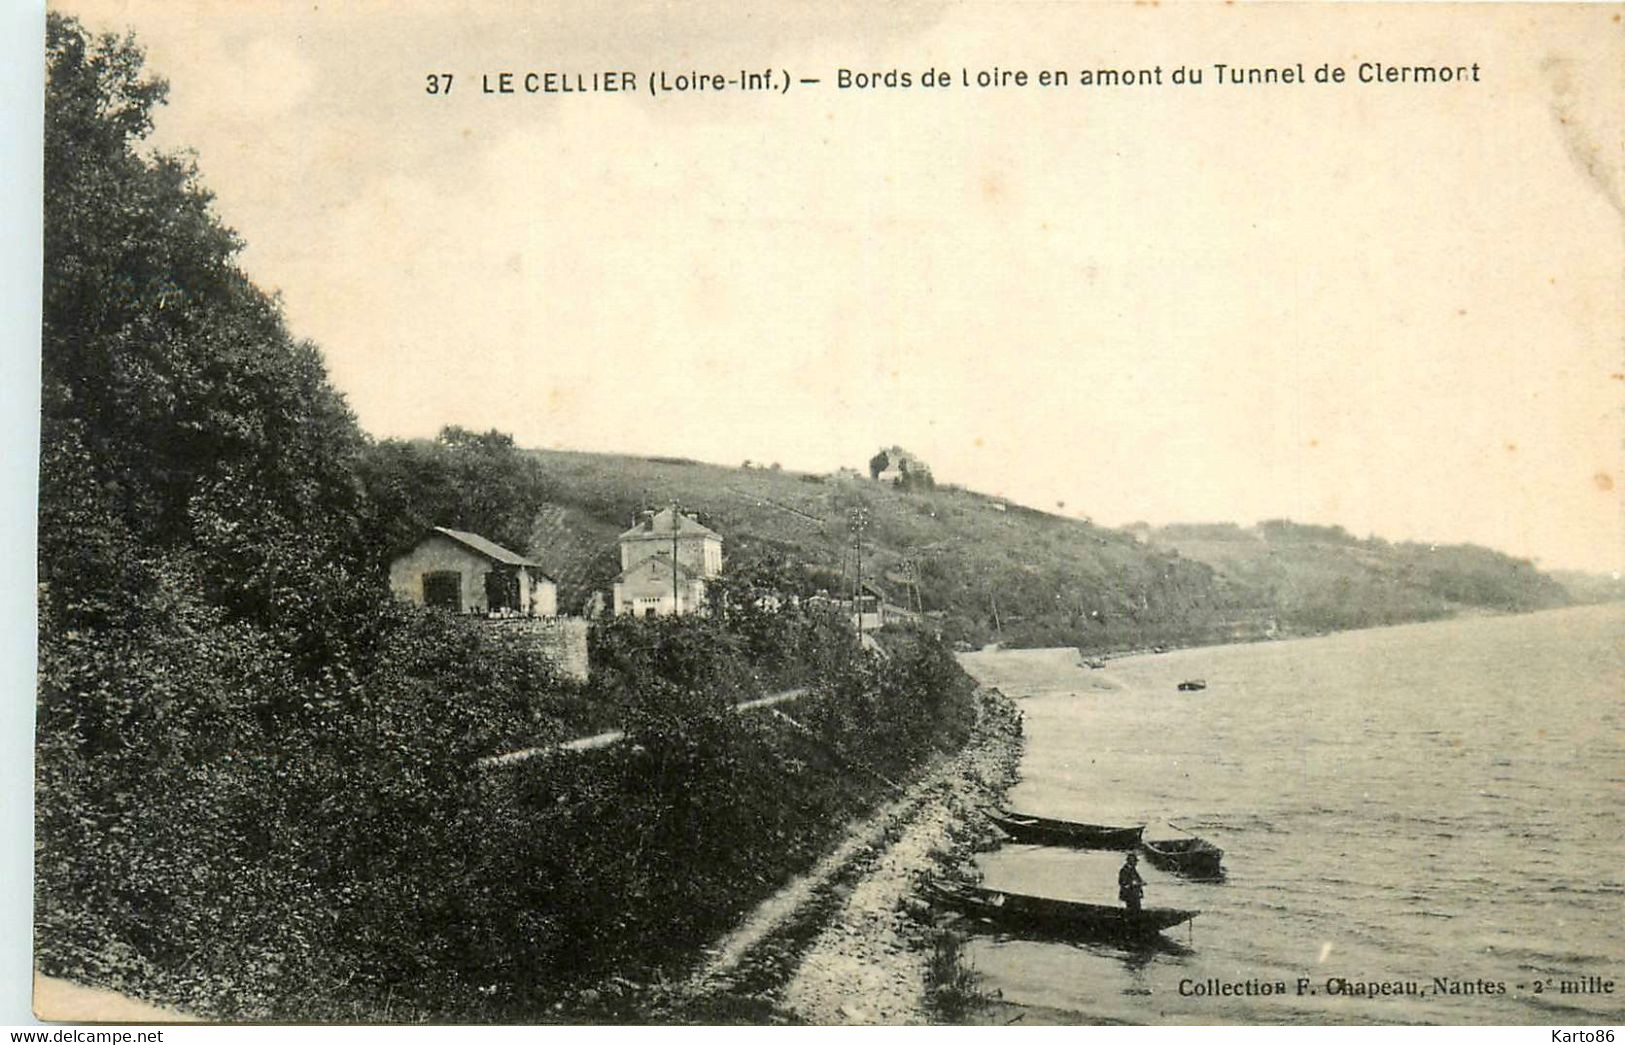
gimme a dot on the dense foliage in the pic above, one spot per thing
(474, 481)
(184, 433)
(654, 846)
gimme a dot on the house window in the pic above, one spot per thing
(443, 590)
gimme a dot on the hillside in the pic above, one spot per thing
(1591, 587)
(1321, 578)
(994, 570)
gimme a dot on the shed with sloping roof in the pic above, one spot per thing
(465, 573)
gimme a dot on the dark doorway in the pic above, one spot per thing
(502, 589)
(443, 590)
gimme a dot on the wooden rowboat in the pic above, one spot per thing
(1070, 917)
(1043, 830)
(1192, 857)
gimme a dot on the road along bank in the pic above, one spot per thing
(850, 942)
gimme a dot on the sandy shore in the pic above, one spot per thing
(1029, 671)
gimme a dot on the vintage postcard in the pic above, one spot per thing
(821, 513)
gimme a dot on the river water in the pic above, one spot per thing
(1395, 805)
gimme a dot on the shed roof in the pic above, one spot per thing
(490, 549)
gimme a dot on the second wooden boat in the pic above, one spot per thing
(1192, 857)
(1043, 830)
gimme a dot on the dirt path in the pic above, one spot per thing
(774, 913)
(848, 942)
(868, 966)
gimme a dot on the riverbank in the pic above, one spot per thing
(849, 942)
(881, 959)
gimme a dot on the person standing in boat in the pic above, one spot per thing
(1130, 886)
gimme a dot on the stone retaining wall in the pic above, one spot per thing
(562, 640)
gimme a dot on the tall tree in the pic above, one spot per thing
(179, 416)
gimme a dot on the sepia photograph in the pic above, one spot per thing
(959, 512)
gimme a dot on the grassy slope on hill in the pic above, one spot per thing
(1591, 587)
(1051, 579)
(1047, 576)
(1322, 578)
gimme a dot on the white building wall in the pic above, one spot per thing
(703, 555)
(649, 587)
(544, 595)
(538, 596)
(435, 555)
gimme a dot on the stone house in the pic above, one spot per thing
(895, 466)
(665, 561)
(465, 573)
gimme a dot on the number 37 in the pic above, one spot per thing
(437, 83)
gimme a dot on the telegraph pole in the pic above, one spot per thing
(857, 595)
(858, 522)
(676, 607)
(911, 569)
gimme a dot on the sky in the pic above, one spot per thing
(1398, 308)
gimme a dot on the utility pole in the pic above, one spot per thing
(858, 521)
(857, 596)
(911, 569)
(676, 607)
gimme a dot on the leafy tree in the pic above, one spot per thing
(177, 410)
(204, 593)
(475, 481)
(915, 475)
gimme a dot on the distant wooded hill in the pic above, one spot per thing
(995, 570)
